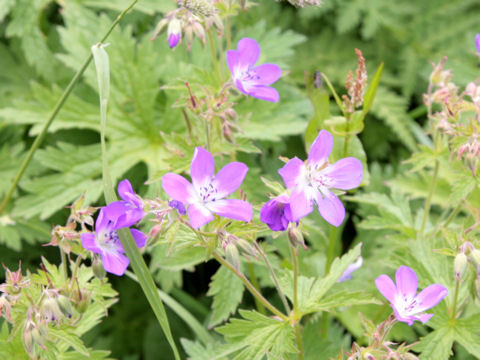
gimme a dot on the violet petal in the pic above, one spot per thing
(89, 243)
(249, 51)
(267, 73)
(229, 178)
(202, 168)
(387, 287)
(406, 281)
(320, 149)
(292, 171)
(266, 93)
(139, 237)
(178, 188)
(198, 215)
(345, 174)
(232, 209)
(431, 296)
(331, 208)
(115, 263)
(300, 204)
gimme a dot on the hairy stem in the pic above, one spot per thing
(250, 287)
(428, 200)
(455, 300)
(254, 281)
(56, 110)
(63, 258)
(214, 54)
(296, 315)
(274, 278)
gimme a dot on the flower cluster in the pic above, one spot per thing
(309, 184)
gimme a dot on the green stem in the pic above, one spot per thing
(56, 109)
(254, 281)
(346, 142)
(298, 338)
(214, 54)
(228, 33)
(428, 200)
(332, 239)
(250, 287)
(207, 134)
(274, 278)
(296, 314)
(455, 300)
(63, 258)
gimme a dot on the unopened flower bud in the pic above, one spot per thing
(199, 7)
(159, 28)
(232, 255)
(460, 265)
(65, 306)
(199, 31)
(98, 269)
(296, 237)
(82, 301)
(475, 257)
(50, 310)
(174, 32)
(27, 339)
(477, 285)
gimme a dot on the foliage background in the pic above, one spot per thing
(43, 42)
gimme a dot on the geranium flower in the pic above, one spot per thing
(276, 213)
(207, 194)
(133, 205)
(407, 305)
(310, 183)
(105, 240)
(252, 80)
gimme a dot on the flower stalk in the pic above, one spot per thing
(250, 287)
(296, 314)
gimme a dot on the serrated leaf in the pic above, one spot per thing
(259, 334)
(227, 291)
(344, 298)
(437, 345)
(70, 339)
(312, 290)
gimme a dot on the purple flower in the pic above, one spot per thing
(347, 275)
(133, 205)
(105, 240)
(252, 80)
(477, 43)
(276, 213)
(178, 205)
(207, 194)
(174, 32)
(407, 305)
(310, 183)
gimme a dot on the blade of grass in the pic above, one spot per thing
(136, 260)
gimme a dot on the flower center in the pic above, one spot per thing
(108, 240)
(208, 193)
(317, 180)
(249, 75)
